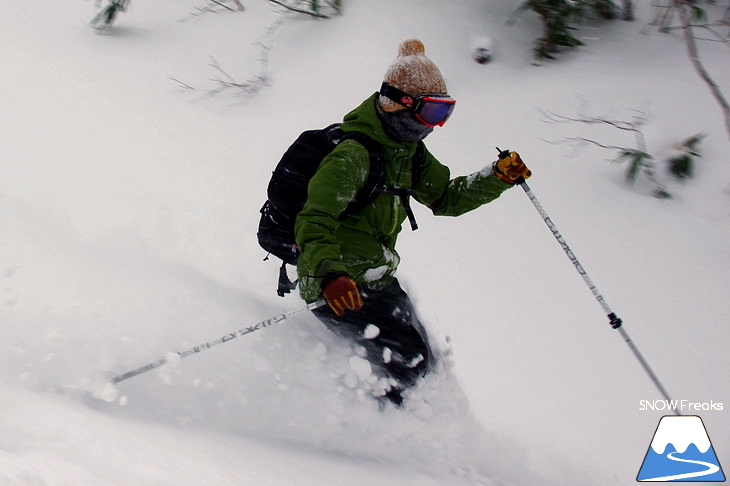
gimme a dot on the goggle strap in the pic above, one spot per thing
(400, 97)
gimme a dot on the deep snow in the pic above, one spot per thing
(128, 210)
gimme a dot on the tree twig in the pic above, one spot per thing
(583, 141)
(633, 126)
(299, 10)
(681, 6)
(184, 85)
(222, 5)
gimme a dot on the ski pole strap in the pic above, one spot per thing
(223, 339)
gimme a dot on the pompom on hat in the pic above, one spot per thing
(413, 73)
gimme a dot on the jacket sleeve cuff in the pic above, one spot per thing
(329, 268)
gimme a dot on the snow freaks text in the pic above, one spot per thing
(679, 406)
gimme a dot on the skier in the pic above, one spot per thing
(351, 260)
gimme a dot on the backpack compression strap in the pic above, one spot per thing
(419, 159)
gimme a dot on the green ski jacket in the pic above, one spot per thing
(362, 245)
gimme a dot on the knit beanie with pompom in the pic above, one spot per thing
(413, 73)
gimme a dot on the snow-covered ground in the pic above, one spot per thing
(128, 212)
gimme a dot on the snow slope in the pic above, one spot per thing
(128, 209)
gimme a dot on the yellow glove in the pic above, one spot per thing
(510, 168)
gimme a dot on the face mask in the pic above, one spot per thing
(403, 126)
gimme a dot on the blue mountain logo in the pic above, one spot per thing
(681, 451)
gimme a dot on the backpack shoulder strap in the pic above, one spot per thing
(374, 184)
(369, 191)
(417, 164)
(419, 161)
(334, 133)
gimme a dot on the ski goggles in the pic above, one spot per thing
(431, 110)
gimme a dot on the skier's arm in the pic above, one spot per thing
(331, 189)
(453, 197)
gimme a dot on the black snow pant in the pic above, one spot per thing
(397, 346)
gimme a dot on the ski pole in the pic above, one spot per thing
(614, 320)
(223, 339)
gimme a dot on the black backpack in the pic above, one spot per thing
(287, 190)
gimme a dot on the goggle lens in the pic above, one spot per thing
(431, 110)
(435, 111)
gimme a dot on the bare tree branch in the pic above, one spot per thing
(184, 85)
(639, 120)
(250, 86)
(299, 10)
(638, 159)
(582, 141)
(210, 7)
(682, 8)
(708, 27)
(222, 5)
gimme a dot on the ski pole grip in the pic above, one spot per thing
(525, 174)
